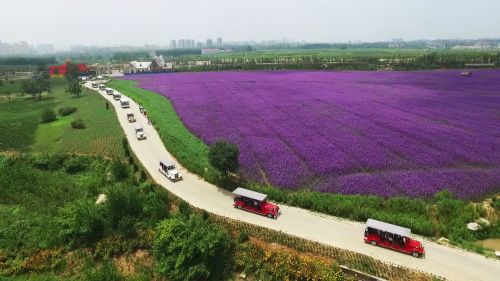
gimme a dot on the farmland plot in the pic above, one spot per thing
(382, 133)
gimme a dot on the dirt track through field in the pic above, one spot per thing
(451, 263)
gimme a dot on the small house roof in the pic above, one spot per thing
(249, 194)
(402, 231)
(140, 64)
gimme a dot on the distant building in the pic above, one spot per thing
(199, 45)
(173, 44)
(159, 64)
(209, 43)
(209, 51)
(139, 66)
(45, 49)
(219, 42)
(60, 70)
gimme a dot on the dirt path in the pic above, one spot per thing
(451, 263)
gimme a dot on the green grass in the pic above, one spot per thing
(184, 146)
(10, 86)
(22, 130)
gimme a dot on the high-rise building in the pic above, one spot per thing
(199, 45)
(219, 41)
(44, 48)
(182, 44)
(173, 44)
(209, 43)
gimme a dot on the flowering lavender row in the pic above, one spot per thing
(382, 133)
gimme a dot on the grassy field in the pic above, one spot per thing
(23, 131)
(11, 86)
(436, 217)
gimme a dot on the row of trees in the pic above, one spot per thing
(36, 86)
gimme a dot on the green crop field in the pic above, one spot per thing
(22, 130)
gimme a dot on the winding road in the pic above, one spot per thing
(448, 262)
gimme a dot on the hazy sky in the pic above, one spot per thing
(138, 22)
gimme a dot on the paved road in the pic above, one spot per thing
(451, 263)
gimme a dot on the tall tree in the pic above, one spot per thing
(74, 88)
(224, 156)
(72, 71)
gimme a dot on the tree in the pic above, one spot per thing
(31, 87)
(37, 86)
(74, 88)
(72, 71)
(224, 156)
(81, 223)
(192, 249)
(44, 83)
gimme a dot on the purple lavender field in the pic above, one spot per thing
(382, 133)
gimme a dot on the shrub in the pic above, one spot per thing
(283, 264)
(184, 208)
(119, 170)
(75, 165)
(49, 162)
(81, 222)
(126, 226)
(243, 236)
(192, 249)
(48, 115)
(67, 110)
(123, 201)
(495, 203)
(78, 124)
(224, 156)
(106, 272)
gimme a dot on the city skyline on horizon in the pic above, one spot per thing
(126, 22)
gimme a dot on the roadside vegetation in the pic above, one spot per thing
(441, 216)
(54, 225)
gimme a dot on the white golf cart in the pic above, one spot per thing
(168, 168)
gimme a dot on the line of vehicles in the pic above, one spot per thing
(377, 233)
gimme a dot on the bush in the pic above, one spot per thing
(48, 115)
(243, 236)
(76, 165)
(67, 110)
(192, 249)
(184, 208)
(106, 272)
(49, 162)
(81, 223)
(123, 200)
(119, 170)
(224, 156)
(78, 124)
